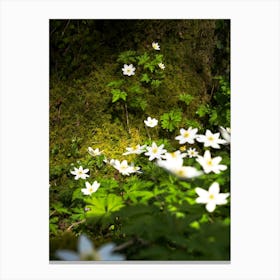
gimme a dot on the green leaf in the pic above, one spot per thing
(118, 94)
(187, 98)
(171, 120)
(142, 59)
(145, 78)
(127, 57)
(116, 84)
(155, 83)
(202, 110)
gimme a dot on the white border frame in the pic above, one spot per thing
(24, 138)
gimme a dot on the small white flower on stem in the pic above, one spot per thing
(211, 139)
(151, 122)
(192, 152)
(161, 66)
(90, 188)
(156, 46)
(128, 70)
(95, 152)
(187, 136)
(80, 173)
(212, 197)
(211, 164)
(155, 151)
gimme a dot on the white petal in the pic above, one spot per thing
(201, 192)
(221, 198)
(67, 255)
(210, 206)
(105, 251)
(85, 246)
(214, 188)
(201, 199)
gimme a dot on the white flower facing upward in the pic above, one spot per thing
(211, 139)
(212, 197)
(95, 152)
(156, 46)
(191, 152)
(128, 70)
(155, 151)
(135, 150)
(211, 164)
(124, 168)
(87, 252)
(187, 136)
(161, 66)
(80, 173)
(226, 134)
(90, 188)
(151, 122)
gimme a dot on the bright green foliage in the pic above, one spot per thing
(186, 98)
(171, 120)
(118, 94)
(127, 57)
(153, 215)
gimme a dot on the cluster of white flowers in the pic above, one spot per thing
(124, 168)
(81, 173)
(129, 70)
(209, 139)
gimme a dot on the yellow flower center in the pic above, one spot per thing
(90, 189)
(210, 138)
(173, 155)
(181, 172)
(186, 134)
(183, 148)
(211, 196)
(154, 150)
(209, 162)
(80, 172)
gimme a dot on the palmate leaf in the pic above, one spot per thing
(118, 94)
(103, 206)
(145, 78)
(171, 120)
(142, 59)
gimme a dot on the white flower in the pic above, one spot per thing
(93, 152)
(192, 152)
(186, 172)
(161, 66)
(80, 173)
(123, 167)
(174, 165)
(212, 197)
(156, 46)
(135, 150)
(175, 156)
(128, 70)
(155, 152)
(90, 188)
(151, 122)
(211, 164)
(87, 252)
(226, 132)
(210, 139)
(187, 136)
